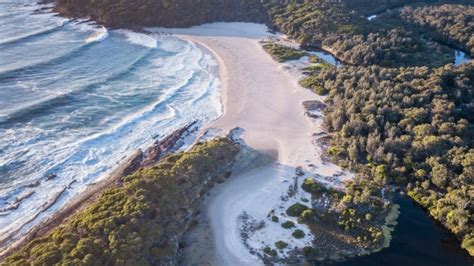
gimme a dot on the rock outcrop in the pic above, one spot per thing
(162, 13)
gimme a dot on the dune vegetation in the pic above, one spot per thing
(282, 53)
(139, 222)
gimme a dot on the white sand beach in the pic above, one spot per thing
(262, 97)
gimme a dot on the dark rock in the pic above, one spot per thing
(299, 171)
(314, 105)
(51, 177)
(159, 149)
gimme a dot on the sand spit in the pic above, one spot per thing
(265, 100)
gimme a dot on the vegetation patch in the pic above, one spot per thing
(298, 234)
(275, 219)
(288, 224)
(281, 244)
(313, 187)
(314, 84)
(296, 209)
(443, 23)
(410, 133)
(269, 251)
(282, 53)
(138, 222)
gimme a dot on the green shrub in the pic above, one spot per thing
(281, 244)
(311, 186)
(308, 251)
(308, 214)
(368, 216)
(468, 244)
(275, 219)
(296, 209)
(288, 224)
(269, 251)
(320, 90)
(298, 234)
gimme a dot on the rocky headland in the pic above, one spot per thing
(164, 13)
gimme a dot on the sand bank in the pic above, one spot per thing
(263, 98)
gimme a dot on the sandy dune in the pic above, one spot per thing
(264, 99)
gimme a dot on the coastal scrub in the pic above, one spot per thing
(282, 53)
(138, 222)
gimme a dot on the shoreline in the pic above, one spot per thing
(139, 159)
(265, 101)
(260, 174)
(75, 205)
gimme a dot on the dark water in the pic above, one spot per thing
(417, 240)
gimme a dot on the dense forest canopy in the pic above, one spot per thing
(412, 127)
(400, 112)
(139, 221)
(451, 24)
(403, 114)
(341, 27)
(164, 13)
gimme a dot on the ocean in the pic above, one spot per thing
(77, 99)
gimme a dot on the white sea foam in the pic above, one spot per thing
(369, 18)
(97, 36)
(97, 111)
(140, 38)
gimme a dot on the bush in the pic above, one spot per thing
(311, 186)
(281, 244)
(468, 244)
(308, 251)
(288, 224)
(296, 209)
(269, 251)
(275, 219)
(308, 214)
(368, 216)
(298, 234)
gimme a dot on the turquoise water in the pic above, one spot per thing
(76, 100)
